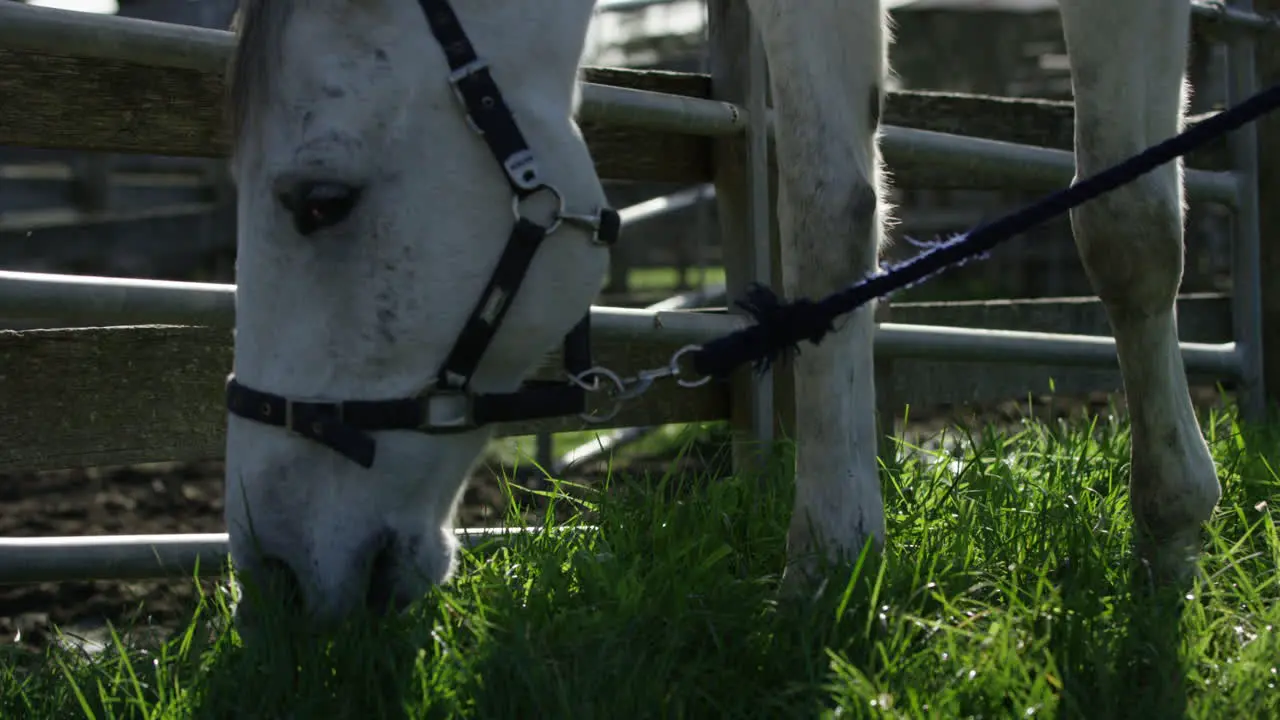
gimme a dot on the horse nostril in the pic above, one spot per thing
(319, 204)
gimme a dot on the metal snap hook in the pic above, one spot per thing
(676, 372)
(602, 380)
(597, 375)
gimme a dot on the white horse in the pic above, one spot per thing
(372, 216)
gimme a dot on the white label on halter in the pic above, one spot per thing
(497, 300)
(523, 170)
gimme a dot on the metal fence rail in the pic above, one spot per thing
(1232, 18)
(94, 301)
(141, 557)
(1010, 163)
(1246, 289)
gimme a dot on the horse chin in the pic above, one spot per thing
(270, 600)
(316, 535)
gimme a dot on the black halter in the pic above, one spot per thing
(448, 405)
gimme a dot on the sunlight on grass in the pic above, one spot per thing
(522, 449)
(1005, 593)
(663, 278)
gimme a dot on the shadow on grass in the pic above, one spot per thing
(1004, 594)
(1132, 669)
(281, 666)
(1141, 672)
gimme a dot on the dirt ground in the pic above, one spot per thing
(187, 498)
(169, 498)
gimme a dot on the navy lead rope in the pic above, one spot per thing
(780, 326)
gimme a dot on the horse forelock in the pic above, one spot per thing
(258, 26)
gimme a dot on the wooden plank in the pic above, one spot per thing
(160, 164)
(91, 104)
(936, 384)
(106, 396)
(106, 105)
(729, 33)
(103, 396)
(124, 244)
(26, 188)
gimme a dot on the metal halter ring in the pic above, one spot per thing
(674, 367)
(612, 383)
(557, 213)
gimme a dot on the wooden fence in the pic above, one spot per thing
(99, 212)
(116, 393)
(103, 213)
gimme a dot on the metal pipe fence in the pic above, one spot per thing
(1246, 280)
(1234, 18)
(108, 301)
(93, 301)
(1026, 165)
(143, 557)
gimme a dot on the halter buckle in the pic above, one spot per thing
(294, 421)
(455, 80)
(446, 410)
(465, 72)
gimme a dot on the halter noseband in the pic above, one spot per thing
(448, 405)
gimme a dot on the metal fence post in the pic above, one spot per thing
(738, 66)
(1246, 290)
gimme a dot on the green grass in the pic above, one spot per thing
(962, 285)
(1005, 592)
(666, 278)
(521, 448)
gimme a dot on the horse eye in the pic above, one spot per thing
(317, 205)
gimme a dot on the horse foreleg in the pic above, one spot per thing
(1127, 65)
(827, 64)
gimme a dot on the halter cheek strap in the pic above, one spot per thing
(449, 405)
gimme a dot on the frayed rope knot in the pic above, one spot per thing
(780, 326)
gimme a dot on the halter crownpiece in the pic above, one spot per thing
(448, 405)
